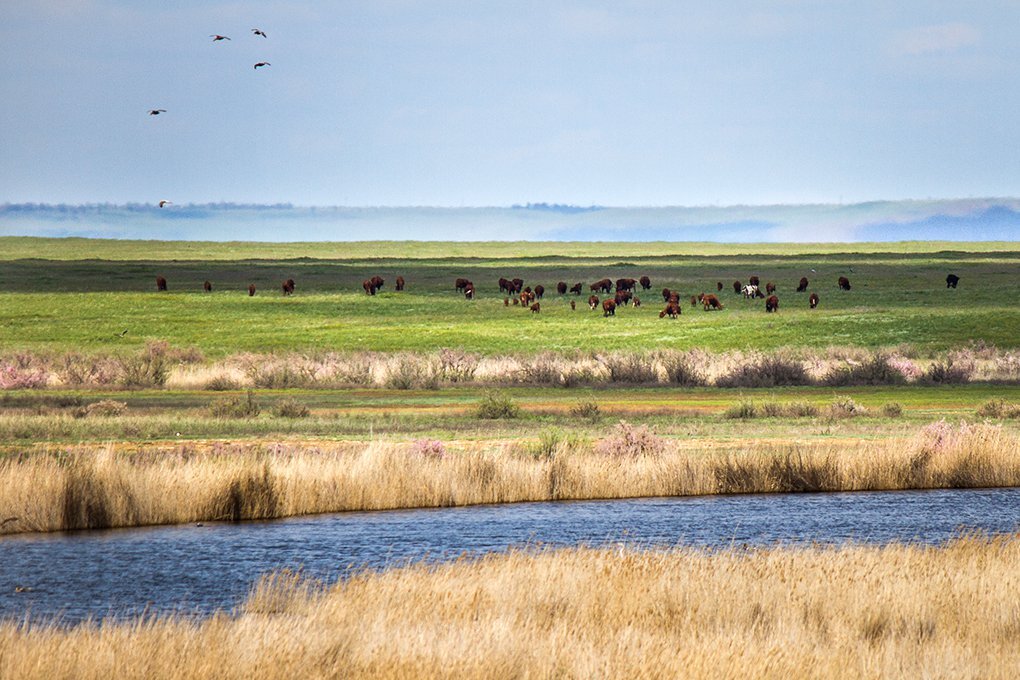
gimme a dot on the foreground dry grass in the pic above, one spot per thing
(852, 612)
(98, 488)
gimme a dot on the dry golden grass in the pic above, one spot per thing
(851, 612)
(96, 488)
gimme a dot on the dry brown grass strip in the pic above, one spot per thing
(96, 488)
(851, 612)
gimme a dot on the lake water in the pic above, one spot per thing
(193, 569)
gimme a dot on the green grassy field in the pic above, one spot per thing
(99, 296)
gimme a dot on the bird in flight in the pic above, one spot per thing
(216, 38)
(156, 112)
(165, 202)
(259, 31)
(262, 63)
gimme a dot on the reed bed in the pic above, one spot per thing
(90, 488)
(779, 612)
(160, 365)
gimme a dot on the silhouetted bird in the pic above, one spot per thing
(156, 112)
(262, 63)
(216, 38)
(259, 31)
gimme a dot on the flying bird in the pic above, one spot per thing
(156, 112)
(216, 38)
(262, 63)
(165, 202)
(259, 31)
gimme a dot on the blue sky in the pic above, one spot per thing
(453, 103)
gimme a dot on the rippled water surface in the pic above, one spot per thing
(197, 569)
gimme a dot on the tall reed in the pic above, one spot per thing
(781, 612)
(95, 488)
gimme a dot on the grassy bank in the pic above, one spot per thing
(99, 488)
(850, 612)
(110, 303)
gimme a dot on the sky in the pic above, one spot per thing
(478, 103)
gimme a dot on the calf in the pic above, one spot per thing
(577, 288)
(608, 308)
(593, 302)
(536, 308)
(772, 304)
(636, 301)
(207, 287)
(844, 283)
(573, 305)
(770, 288)
(160, 283)
(368, 286)
(469, 292)
(251, 290)
(666, 292)
(802, 286)
(736, 287)
(952, 280)
(400, 283)
(288, 287)
(813, 300)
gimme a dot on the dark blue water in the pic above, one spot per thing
(198, 569)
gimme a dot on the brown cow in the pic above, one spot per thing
(802, 286)
(622, 297)
(460, 285)
(813, 300)
(608, 308)
(636, 301)
(646, 283)
(288, 287)
(527, 297)
(711, 302)
(207, 286)
(577, 288)
(602, 286)
(367, 285)
(672, 310)
(625, 284)
(573, 305)
(754, 281)
(400, 283)
(718, 286)
(504, 285)
(518, 285)
(593, 302)
(377, 282)
(772, 304)
(737, 287)
(251, 290)
(160, 283)
(666, 292)
(696, 299)
(844, 283)
(770, 288)
(561, 288)
(536, 308)
(469, 292)
(539, 291)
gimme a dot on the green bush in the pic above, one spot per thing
(290, 408)
(236, 406)
(496, 406)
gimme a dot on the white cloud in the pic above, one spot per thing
(939, 39)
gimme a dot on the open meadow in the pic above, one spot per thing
(121, 406)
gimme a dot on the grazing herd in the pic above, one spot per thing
(528, 298)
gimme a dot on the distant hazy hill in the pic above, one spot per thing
(950, 220)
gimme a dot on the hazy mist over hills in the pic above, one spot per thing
(949, 220)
